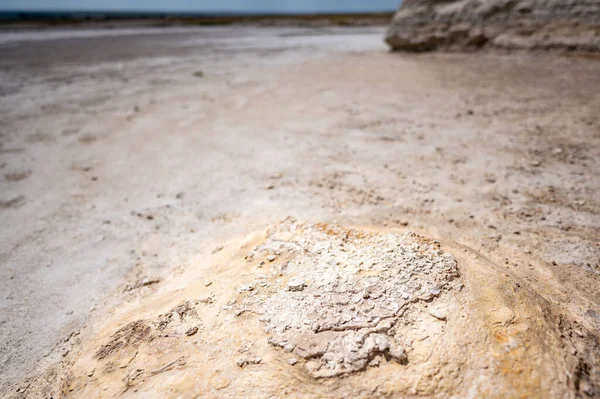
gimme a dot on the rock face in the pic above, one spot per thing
(425, 25)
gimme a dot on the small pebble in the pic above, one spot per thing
(191, 331)
(247, 287)
(535, 163)
(296, 284)
(289, 347)
(438, 314)
(246, 361)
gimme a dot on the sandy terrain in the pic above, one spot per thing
(134, 165)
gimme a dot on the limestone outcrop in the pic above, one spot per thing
(319, 310)
(425, 25)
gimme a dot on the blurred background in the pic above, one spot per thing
(98, 9)
(231, 6)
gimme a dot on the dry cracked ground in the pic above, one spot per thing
(260, 212)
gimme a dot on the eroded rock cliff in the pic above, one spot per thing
(424, 25)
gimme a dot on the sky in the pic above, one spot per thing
(204, 5)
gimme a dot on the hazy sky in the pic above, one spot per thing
(204, 5)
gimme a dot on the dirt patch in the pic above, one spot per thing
(17, 175)
(15, 202)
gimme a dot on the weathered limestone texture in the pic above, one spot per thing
(425, 25)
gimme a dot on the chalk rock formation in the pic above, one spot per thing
(318, 310)
(424, 25)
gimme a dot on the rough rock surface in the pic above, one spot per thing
(347, 290)
(318, 310)
(423, 25)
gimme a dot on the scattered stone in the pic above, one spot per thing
(208, 300)
(437, 313)
(246, 287)
(292, 361)
(243, 362)
(535, 162)
(23, 388)
(217, 249)
(271, 257)
(191, 331)
(490, 178)
(146, 281)
(289, 347)
(239, 312)
(398, 354)
(296, 284)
